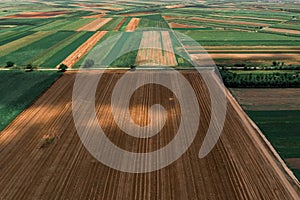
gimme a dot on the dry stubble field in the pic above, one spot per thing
(239, 167)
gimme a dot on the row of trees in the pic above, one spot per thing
(30, 67)
(249, 80)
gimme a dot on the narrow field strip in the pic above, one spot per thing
(280, 30)
(150, 50)
(71, 60)
(95, 25)
(229, 21)
(120, 24)
(265, 56)
(12, 46)
(133, 24)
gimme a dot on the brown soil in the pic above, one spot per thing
(279, 30)
(120, 24)
(229, 21)
(177, 25)
(283, 56)
(36, 15)
(268, 99)
(133, 24)
(73, 58)
(241, 166)
(294, 162)
(95, 25)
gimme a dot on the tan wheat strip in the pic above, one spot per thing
(132, 24)
(71, 60)
(95, 25)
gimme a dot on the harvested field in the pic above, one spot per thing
(229, 21)
(33, 168)
(95, 25)
(134, 22)
(71, 60)
(36, 15)
(279, 30)
(175, 6)
(177, 25)
(151, 50)
(268, 99)
(120, 24)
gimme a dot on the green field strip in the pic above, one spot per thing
(74, 25)
(67, 49)
(30, 51)
(287, 26)
(19, 89)
(125, 24)
(110, 26)
(127, 43)
(51, 26)
(13, 46)
(14, 37)
(53, 50)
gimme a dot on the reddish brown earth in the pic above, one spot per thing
(177, 25)
(95, 25)
(133, 24)
(241, 166)
(280, 30)
(37, 14)
(268, 99)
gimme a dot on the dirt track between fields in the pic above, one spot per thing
(74, 57)
(239, 167)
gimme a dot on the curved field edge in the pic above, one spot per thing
(19, 89)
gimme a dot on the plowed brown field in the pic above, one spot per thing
(95, 25)
(134, 22)
(241, 166)
(74, 57)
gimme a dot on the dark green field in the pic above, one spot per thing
(19, 89)
(282, 129)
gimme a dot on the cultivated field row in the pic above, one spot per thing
(156, 49)
(34, 168)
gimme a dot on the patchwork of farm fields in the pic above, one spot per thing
(210, 26)
(63, 168)
(253, 44)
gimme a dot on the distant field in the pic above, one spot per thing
(18, 90)
(282, 129)
(277, 114)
